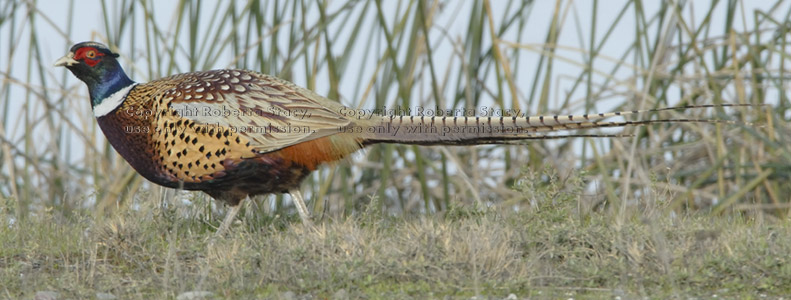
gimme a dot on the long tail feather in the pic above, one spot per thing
(423, 130)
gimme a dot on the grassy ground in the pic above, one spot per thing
(554, 249)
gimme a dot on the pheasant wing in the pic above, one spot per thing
(271, 113)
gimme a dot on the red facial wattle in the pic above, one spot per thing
(89, 55)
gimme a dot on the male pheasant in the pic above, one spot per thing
(235, 133)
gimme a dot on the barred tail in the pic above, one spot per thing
(422, 130)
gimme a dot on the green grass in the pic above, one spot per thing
(676, 210)
(421, 54)
(552, 250)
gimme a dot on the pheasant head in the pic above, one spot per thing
(98, 67)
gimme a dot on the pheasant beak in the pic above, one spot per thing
(67, 60)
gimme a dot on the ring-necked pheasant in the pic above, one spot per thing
(235, 133)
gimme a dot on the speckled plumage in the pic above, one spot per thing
(167, 129)
(235, 133)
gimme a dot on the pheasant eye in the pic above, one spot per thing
(91, 56)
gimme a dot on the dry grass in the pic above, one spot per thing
(551, 250)
(424, 54)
